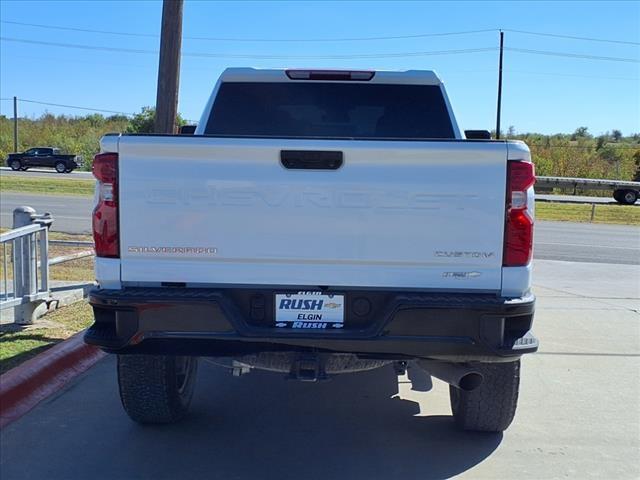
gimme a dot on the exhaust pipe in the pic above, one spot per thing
(460, 376)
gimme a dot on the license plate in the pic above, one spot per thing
(309, 310)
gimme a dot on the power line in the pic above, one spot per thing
(82, 47)
(80, 108)
(207, 69)
(586, 147)
(237, 39)
(573, 75)
(572, 37)
(69, 106)
(572, 55)
(76, 107)
(84, 30)
(328, 40)
(325, 57)
(255, 56)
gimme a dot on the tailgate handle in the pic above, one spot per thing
(311, 159)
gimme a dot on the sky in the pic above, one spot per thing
(542, 92)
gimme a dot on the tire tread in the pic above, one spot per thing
(492, 406)
(148, 389)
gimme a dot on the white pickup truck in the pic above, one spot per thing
(317, 222)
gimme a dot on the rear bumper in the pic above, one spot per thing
(229, 322)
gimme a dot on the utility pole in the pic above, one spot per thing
(499, 85)
(169, 67)
(15, 124)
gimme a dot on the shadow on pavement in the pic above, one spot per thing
(258, 426)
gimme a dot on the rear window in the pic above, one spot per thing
(330, 110)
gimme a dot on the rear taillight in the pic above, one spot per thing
(518, 232)
(105, 215)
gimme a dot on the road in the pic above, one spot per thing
(586, 242)
(578, 414)
(45, 173)
(577, 242)
(72, 214)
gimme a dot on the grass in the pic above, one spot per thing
(570, 212)
(81, 269)
(20, 343)
(47, 186)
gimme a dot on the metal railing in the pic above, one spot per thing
(25, 263)
(624, 192)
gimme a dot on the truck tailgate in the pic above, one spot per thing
(396, 214)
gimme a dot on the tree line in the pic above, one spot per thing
(78, 135)
(578, 154)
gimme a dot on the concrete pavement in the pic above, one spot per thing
(578, 417)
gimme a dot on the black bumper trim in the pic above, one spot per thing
(402, 324)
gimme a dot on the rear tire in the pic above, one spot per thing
(61, 167)
(617, 195)
(156, 388)
(630, 197)
(492, 406)
(15, 165)
(625, 197)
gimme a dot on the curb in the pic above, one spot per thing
(26, 385)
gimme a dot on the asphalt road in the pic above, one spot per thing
(576, 242)
(72, 214)
(578, 414)
(46, 173)
(585, 242)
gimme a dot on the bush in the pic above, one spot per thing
(564, 155)
(587, 157)
(72, 134)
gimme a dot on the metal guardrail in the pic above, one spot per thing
(71, 243)
(586, 183)
(28, 267)
(26, 262)
(624, 192)
(72, 256)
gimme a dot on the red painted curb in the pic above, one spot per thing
(26, 385)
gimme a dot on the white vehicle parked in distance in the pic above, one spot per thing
(318, 222)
